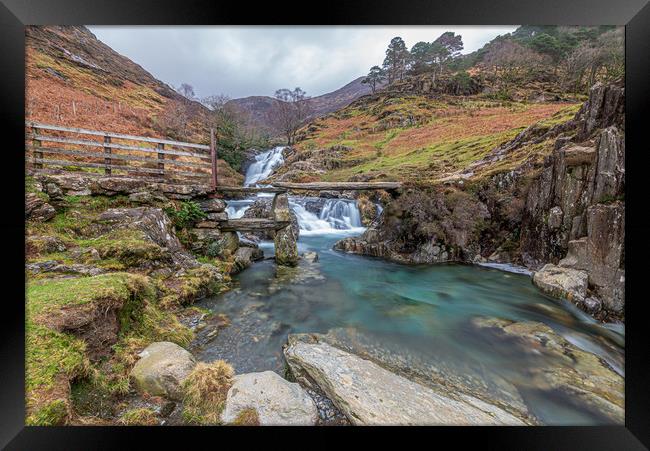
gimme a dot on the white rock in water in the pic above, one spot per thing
(562, 282)
(370, 395)
(277, 401)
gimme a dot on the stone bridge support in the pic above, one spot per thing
(285, 240)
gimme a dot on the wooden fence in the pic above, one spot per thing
(107, 153)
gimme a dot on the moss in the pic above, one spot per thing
(55, 358)
(247, 417)
(128, 247)
(205, 391)
(48, 295)
(139, 417)
(194, 284)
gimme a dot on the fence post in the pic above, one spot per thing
(213, 157)
(37, 143)
(107, 151)
(161, 157)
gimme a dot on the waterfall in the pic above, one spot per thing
(264, 165)
(336, 215)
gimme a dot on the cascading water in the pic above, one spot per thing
(264, 165)
(336, 215)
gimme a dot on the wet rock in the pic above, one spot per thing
(562, 282)
(370, 395)
(581, 375)
(276, 401)
(602, 254)
(37, 209)
(162, 368)
(555, 218)
(261, 208)
(245, 256)
(311, 257)
(285, 240)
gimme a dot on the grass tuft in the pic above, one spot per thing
(205, 391)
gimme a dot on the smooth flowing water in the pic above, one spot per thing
(421, 314)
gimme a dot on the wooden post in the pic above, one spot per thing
(37, 143)
(213, 157)
(107, 151)
(161, 157)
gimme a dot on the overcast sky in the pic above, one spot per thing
(244, 61)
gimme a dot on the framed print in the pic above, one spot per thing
(379, 215)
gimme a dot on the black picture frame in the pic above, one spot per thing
(14, 14)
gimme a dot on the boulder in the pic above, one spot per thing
(368, 394)
(162, 368)
(562, 282)
(245, 256)
(277, 401)
(37, 209)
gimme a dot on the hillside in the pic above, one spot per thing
(74, 79)
(258, 108)
(415, 138)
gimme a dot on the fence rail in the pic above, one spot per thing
(52, 145)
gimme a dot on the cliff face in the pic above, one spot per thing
(568, 210)
(576, 207)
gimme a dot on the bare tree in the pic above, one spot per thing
(291, 110)
(512, 61)
(602, 59)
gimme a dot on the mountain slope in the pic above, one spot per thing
(73, 79)
(258, 108)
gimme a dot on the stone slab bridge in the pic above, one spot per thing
(285, 240)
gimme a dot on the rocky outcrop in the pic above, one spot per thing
(368, 394)
(86, 185)
(37, 209)
(432, 226)
(560, 282)
(161, 370)
(285, 239)
(276, 401)
(155, 227)
(575, 211)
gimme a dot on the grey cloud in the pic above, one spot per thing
(242, 61)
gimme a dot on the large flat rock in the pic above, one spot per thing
(370, 395)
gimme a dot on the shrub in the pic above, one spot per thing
(184, 214)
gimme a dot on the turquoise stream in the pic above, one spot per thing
(425, 311)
